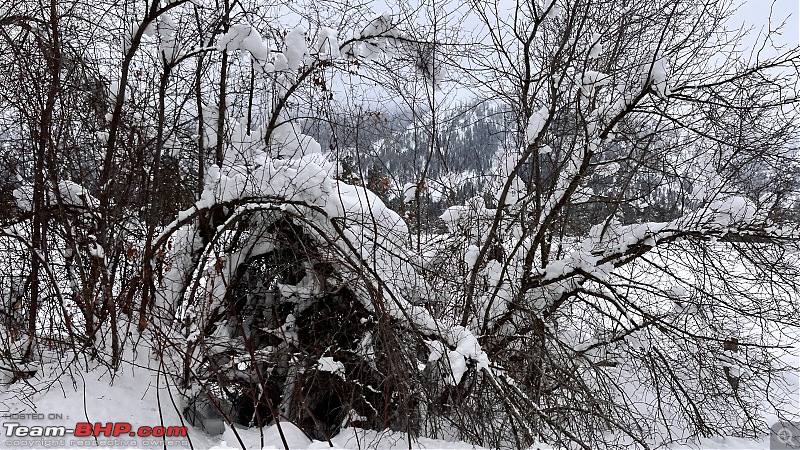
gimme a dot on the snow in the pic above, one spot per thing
(280, 63)
(327, 44)
(473, 209)
(303, 293)
(113, 90)
(96, 250)
(592, 79)
(328, 364)
(91, 397)
(607, 169)
(76, 195)
(658, 76)
(291, 174)
(23, 196)
(374, 40)
(732, 210)
(137, 391)
(294, 437)
(167, 29)
(296, 47)
(582, 194)
(409, 192)
(437, 350)
(380, 25)
(678, 291)
(102, 137)
(287, 141)
(471, 256)
(458, 366)
(597, 48)
(244, 37)
(140, 394)
(71, 194)
(299, 179)
(466, 344)
(536, 123)
(553, 8)
(368, 231)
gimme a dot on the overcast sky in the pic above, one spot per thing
(756, 13)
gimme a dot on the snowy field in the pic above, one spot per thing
(139, 394)
(69, 390)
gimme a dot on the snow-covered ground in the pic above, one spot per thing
(141, 395)
(69, 390)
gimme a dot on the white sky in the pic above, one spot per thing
(760, 16)
(756, 14)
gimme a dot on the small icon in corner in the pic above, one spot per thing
(784, 436)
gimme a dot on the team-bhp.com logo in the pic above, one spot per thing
(86, 429)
